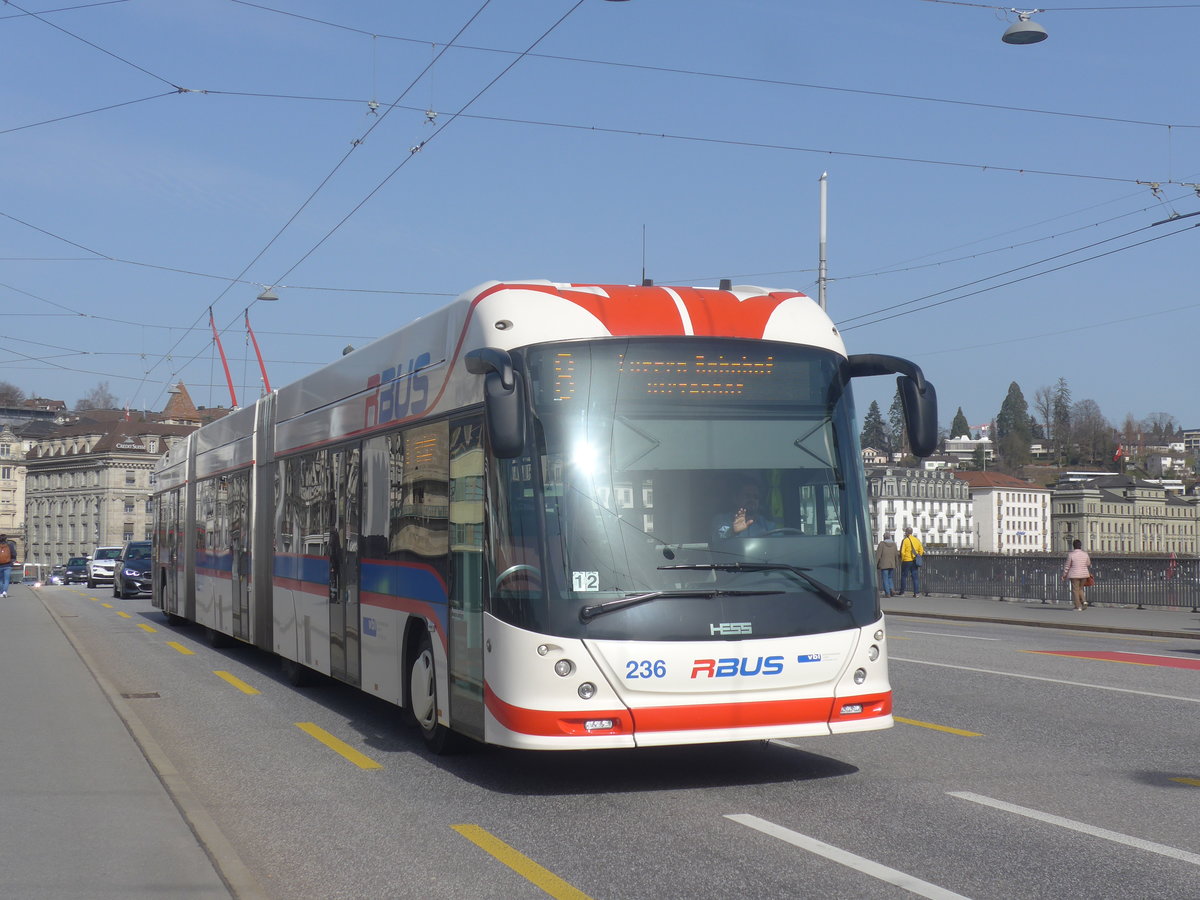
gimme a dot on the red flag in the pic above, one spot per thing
(1120, 452)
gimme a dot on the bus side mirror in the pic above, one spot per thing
(917, 396)
(920, 415)
(503, 400)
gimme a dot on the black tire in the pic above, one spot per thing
(423, 700)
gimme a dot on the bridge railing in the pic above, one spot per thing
(1120, 580)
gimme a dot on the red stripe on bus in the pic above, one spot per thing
(627, 310)
(720, 314)
(707, 716)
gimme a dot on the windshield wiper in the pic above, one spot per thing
(836, 599)
(588, 613)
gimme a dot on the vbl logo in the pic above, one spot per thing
(400, 391)
(731, 666)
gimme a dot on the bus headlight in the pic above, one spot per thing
(879, 634)
(860, 675)
(587, 691)
(873, 653)
(564, 667)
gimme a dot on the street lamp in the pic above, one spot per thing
(267, 295)
(1024, 30)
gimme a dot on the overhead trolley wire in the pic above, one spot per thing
(95, 46)
(438, 130)
(1009, 283)
(698, 73)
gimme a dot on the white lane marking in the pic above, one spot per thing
(965, 637)
(1084, 684)
(1082, 827)
(846, 858)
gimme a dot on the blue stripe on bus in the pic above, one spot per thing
(415, 580)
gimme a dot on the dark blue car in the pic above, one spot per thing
(133, 574)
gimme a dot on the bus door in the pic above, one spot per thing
(239, 550)
(344, 527)
(466, 575)
(168, 562)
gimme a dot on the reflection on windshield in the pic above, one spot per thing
(663, 461)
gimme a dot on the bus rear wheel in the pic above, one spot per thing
(423, 699)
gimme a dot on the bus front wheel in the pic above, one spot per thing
(423, 699)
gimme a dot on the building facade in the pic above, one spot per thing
(89, 486)
(935, 503)
(1011, 516)
(1121, 514)
(12, 488)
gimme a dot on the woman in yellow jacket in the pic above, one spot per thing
(910, 550)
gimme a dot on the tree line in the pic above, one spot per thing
(99, 397)
(1074, 432)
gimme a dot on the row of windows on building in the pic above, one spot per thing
(59, 480)
(83, 507)
(920, 488)
(82, 533)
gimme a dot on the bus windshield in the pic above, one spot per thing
(683, 489)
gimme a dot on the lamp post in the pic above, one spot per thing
(268, 295)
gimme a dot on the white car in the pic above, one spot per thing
(102, 565)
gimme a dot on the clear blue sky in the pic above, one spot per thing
(953, 158)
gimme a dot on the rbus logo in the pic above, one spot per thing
(399, 392)
(731, 666)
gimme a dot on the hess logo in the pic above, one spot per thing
(732, 666)
(725, 628)
(399, 392)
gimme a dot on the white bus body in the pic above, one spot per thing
(513, 516)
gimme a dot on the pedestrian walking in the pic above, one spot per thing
(8, 556)
(911, 553)
(1078, 571)
(886, 559)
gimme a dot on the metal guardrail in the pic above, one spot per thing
(1120, 580)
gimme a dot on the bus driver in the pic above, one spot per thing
(746, 520)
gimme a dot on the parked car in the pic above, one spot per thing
(76, 570)
(132, 574)
(102, 564)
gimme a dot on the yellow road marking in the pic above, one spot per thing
(1195, 782)
(107, 605)
(946, 728)
(520, 863)
(145, 627)
(338, 746)
(182, 649)
(123, 614)
(237, 682)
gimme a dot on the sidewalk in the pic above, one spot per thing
(1156, 622)
(86, 813)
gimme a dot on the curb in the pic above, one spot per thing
(1063, 626)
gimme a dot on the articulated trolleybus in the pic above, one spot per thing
(557, 516)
